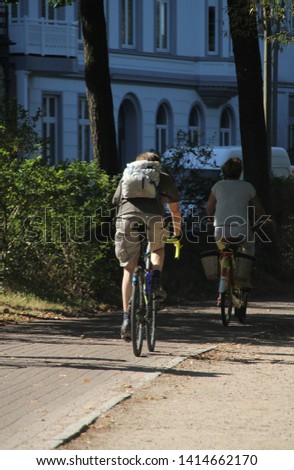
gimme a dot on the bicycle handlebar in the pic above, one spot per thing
(177, 244)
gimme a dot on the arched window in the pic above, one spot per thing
(161, 129)
(225, 137)
(194, 126)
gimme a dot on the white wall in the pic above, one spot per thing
(167, 76)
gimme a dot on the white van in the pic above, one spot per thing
(281, 165)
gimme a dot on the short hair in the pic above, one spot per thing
(149, 156)
(232, 168)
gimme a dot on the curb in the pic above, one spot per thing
(77, 428)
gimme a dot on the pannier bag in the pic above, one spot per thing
(243, 266)
(210, 263)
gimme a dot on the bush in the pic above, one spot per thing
(57, 238)
(189, 168)
(282, 196)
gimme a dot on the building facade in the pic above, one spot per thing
(172, 74)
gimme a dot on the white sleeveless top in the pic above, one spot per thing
(232, 198)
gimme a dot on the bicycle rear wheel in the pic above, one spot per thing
(226, 305)
(241, 311)
(137, 311)
(151, 322)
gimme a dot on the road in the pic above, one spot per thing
(60, 377)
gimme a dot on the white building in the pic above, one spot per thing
(171, 65)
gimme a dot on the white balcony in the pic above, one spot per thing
(43, 37)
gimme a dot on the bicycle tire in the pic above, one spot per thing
(137, 311)
(226, 305)
(241, 312)
(151, 323)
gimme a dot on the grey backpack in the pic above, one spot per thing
(140, 179)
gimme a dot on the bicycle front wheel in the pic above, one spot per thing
(137, 311)
(151, 322)
(226, 305)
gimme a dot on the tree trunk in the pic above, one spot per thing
(98, 85)
(243, 28)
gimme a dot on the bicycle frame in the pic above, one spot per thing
(147, 265)
(231, 295)
(148, 273)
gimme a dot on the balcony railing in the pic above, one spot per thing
(43, 37)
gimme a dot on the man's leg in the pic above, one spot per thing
(157, 233)
(126, 296)
(157, 259)
(127, 284)
(127, 250)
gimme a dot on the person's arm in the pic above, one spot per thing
(260, 211)
(255, 202)
(176, 217)
(210, 205)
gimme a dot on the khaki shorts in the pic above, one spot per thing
(127, 237)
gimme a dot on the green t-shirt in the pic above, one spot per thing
(166, 190)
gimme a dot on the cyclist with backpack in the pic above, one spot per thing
(140, 197)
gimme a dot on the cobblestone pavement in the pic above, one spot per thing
(58, 376)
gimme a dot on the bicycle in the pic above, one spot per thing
(144, 305)
(234, 268)
(230, 267)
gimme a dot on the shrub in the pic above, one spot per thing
(58, 238)
(188, 167)
(282, 196)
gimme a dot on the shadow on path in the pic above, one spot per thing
(189, 324)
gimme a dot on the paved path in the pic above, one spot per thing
(58, 376)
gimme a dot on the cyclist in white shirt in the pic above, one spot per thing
(228, 202)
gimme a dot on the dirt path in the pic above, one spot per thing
(237, 396)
